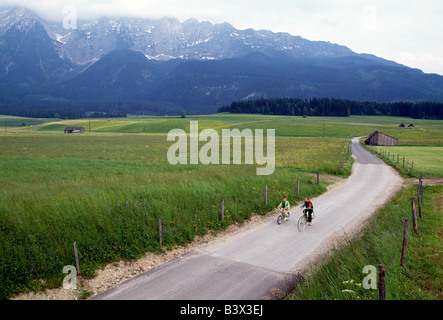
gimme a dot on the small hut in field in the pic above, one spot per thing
(380, 139)
(75, 130)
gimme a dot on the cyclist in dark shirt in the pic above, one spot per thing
(309, 209)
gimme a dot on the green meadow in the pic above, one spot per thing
(428, 159)
(425, 131)
(106, 189)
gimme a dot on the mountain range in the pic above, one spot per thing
(164, 65)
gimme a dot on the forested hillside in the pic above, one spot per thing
(335, 108)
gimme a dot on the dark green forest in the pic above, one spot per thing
(327, 107)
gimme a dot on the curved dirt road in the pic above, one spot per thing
(261, 261)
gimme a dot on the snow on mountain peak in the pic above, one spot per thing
(166, 38)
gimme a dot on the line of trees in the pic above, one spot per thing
(85, 109)
(329, 107)
(62, 110)
(61, 114)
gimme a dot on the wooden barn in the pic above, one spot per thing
(74, 130)
(380, 139)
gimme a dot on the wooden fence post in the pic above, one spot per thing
(77, 263)
(414, 216)
(298, 187)
(405, 243)
(419, 202)
(403, 162)
(381, 282)
(160, 232)
(266, 195)
(222, 210)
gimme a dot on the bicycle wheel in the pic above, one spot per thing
(301, 224)
(279, 219)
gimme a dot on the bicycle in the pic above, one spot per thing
(303, 221)
(281, 217)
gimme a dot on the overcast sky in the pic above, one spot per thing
(406, 31)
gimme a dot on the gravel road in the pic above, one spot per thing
(262, 261)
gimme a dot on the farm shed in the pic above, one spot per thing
(380, 139)
(74, 130)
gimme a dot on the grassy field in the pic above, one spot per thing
(340, 276)
(15, 123)
(428, 159)
(106, 189)
(425, 131)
